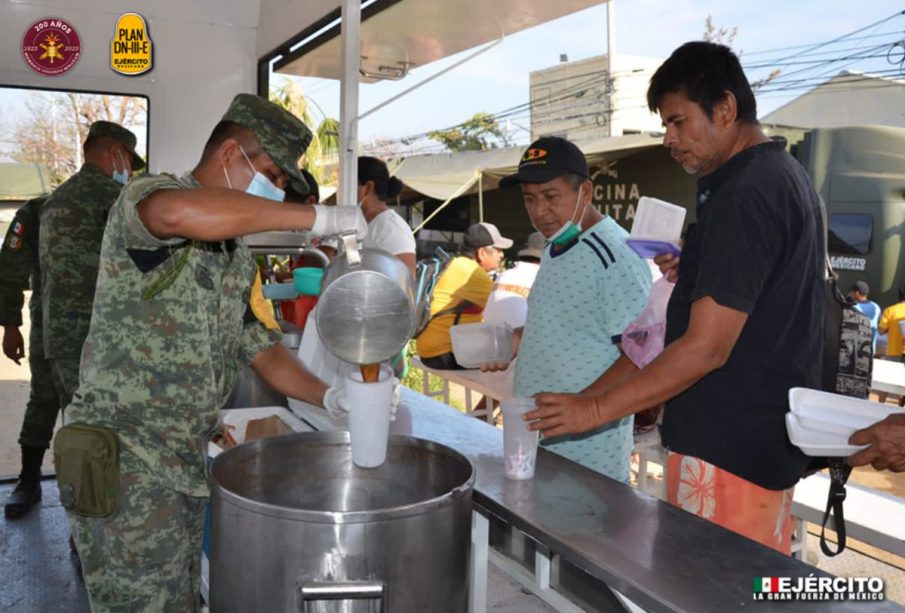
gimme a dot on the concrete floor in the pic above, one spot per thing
(36, 570)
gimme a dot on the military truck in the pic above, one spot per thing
(860, 173)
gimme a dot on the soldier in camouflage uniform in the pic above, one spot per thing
(19, 268)
(175, 309)
(72, 226)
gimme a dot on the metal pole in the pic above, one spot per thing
(347, 188)
(480, 196)
(611, 63)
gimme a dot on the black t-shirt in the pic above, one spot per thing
(758, 248)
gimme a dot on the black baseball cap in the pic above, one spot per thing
(547, 158)
(486, 235)
(861, 287)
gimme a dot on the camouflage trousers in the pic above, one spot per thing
(146, 556)
(43, 401)
(65, 373)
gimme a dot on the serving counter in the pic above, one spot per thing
(582, 534)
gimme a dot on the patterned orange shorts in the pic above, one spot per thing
(729, 501)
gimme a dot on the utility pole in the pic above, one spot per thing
(611, 64)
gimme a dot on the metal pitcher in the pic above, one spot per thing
(366, 312)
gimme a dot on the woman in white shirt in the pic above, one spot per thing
(387, 230)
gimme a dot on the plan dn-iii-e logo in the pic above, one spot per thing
(51, 47)
(130, 49)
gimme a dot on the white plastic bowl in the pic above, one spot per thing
(835, 413)
(817, 443)
(475, 345)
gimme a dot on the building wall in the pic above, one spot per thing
(573, 99)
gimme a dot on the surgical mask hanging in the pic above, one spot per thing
(260, 185)
(570, 230)
(121, 177)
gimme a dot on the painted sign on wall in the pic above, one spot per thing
(130, 49)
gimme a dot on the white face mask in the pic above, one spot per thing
(121, 177)
(259, 185)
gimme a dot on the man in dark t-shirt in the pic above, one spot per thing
(745, 319)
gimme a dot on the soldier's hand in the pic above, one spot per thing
(13, 344)
(334, 220)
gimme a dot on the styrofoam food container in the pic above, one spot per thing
(816, 443)
(484, 343)
(657, 219)
(835, 413)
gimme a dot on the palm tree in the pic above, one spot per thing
(321, 157)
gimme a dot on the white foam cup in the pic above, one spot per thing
(369, 417)
(519, 443)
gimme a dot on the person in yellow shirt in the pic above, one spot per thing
(889, 325)
(461, 293)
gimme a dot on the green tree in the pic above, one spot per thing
(323, 153)
(482, 131)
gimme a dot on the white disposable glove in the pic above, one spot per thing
(338, 408)
(334, 220)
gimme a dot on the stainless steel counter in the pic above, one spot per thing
(662, 558)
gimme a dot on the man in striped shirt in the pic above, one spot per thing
(589, 287)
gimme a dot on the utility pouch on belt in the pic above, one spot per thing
(87, 463)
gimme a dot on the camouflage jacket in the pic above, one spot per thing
(19, 264)
(72, 226)
(171, 320)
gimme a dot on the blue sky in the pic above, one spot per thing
(498, 79)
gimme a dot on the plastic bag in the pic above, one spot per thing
(643, 338)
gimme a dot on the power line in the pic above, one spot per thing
(810, 60)
(793, 47)
(844, 36)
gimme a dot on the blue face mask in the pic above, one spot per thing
(120, 177)
(570, 230)
(260, 185)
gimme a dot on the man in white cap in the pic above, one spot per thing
(461, 293)
(508, 302)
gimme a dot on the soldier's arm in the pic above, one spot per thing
(216, 214)
(17, 258)
(279, 369)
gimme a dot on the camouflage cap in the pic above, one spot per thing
(282, 135)
(108, 129)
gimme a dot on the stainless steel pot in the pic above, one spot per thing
(366, 311)
(297, 527)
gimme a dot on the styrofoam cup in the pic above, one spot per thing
(369, 417)
(519, 443)
(475, 345)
